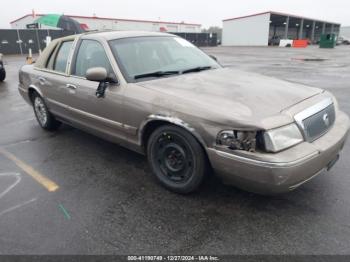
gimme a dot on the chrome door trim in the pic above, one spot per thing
(126, 128)
(51, 71)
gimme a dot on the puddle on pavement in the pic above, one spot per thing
(310, 59)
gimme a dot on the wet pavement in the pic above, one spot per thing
(108, 202)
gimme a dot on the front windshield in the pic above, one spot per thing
(143, 58)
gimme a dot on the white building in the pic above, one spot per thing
(261, 29)
(345, 31)
(103, 23)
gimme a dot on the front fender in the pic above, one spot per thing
(171, 120)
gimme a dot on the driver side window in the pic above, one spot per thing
(90, 54)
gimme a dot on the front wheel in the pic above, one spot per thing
(45, 119)
(177, 159)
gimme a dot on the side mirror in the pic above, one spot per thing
(97, 74)
(214, 58)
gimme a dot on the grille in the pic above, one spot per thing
(318, 124)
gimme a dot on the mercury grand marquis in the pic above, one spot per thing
(159, 95)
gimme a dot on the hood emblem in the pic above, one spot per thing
(326, 119)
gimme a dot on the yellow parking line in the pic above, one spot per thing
(41, 179)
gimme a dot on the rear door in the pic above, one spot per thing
(52, 80)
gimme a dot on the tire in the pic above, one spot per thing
(45, 119)
(2, 75)
(177, 159)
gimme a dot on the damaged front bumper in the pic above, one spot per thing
(270, 173)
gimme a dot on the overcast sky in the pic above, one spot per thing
(205, 12)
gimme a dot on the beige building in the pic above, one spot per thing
(103, 23)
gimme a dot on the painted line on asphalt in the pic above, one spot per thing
(41, 179)
(18, 180)
(65, 212)
(17, 207)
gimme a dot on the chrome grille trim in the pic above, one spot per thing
(319, 124)
(309, 120)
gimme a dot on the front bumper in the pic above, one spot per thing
(268, 173)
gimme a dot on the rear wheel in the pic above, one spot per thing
(176, 158)
(45, 119)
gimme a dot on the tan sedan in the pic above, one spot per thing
(161, 96)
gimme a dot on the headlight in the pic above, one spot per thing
(237, 140)
(282, 138)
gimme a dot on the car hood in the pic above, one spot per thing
(238, 94)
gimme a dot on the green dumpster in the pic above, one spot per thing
(328, 41)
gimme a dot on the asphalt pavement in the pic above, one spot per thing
(72, 193)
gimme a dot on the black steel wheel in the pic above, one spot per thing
(45, 119)
(176, 158)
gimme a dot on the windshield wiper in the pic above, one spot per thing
(157, 74)
(196, 69)
(166, 73)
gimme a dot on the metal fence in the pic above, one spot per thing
(200, 39)
(14, 41)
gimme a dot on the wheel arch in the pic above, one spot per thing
(31, 90)
(155, 121)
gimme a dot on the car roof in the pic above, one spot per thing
(111, 35)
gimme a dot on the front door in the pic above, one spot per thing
(103, 115)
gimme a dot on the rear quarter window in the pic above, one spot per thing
(51, 58)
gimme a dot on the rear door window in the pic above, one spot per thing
(62, 57)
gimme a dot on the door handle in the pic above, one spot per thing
(42, 81)
(70, 86)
